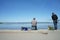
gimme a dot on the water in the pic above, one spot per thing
(17, 26)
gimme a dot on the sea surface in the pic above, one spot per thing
(17, 26)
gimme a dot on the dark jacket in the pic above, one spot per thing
(54, 17)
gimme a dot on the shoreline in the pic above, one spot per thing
(42, 31)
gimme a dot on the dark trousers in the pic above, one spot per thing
(34, 27)
(55, 25)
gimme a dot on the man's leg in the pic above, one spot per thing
(35, 27)
(55, 26)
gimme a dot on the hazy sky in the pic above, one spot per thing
(26, 10)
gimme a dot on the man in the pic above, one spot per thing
(34, 24)
(55, 19)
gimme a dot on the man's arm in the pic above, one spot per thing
(56, 16)
(52, 17)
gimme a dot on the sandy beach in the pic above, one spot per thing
(30, 35)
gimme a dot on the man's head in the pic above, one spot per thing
(34, 18)
(53, 13)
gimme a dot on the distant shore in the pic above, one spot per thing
(20, 22)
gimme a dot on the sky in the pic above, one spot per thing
(26, 10)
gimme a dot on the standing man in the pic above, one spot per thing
(34, 24)
(55, 20)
